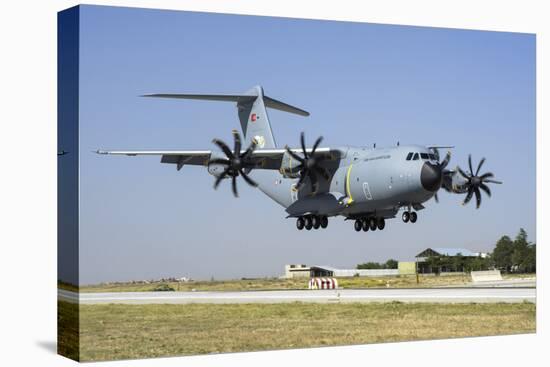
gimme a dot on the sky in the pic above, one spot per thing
(362, 83)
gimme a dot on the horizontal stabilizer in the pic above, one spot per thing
(237, 98)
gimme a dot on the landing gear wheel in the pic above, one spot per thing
(372, 223)
(316, 222)
(365, 224)
(406, 216)
(358, 225)
(300, 223)
(308, 224)
(381, 223)
(324, 222)
(414, 217)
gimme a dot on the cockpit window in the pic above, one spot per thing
(409, 156)
(415, 158)
(424, 156)
(432, 156)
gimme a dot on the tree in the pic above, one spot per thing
(369, 265)
(391, 264)
(502, 254)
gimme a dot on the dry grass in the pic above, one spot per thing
(138, 331)
(402, 281)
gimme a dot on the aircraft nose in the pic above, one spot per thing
(430, 177)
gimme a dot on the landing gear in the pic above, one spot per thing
(311, 221)
(316, 222)
(369, 224)
(365, 224)
(372, 223)
(409, 216)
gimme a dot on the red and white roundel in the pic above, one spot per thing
(253, 117)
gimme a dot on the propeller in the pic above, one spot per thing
(476, 182)
(310, 164)
(442, 165)
(236, 162)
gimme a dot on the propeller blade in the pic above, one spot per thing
(234, 186)
(302, 179)
(220, 178)
(470, 164)
(493, 181)
(250, 150)
(479, 165)
(294, 155)
(303, 143)
(317, 142)
(446, 160)
(238, 144)
(478, 197)
(468, 196)
(248, 180)
(223, 147)
(436, 198)
(485, 188)
(462, 173)
(313, 181)
(486, 175)
(436, 153)
(323, 172)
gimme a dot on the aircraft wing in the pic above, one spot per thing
(265, 158)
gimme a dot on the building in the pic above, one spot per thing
(304, 271)
(423, 266)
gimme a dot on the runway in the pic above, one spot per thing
(431, 295)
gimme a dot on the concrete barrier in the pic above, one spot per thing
(486, 276)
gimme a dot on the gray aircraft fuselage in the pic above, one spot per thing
(373, 181)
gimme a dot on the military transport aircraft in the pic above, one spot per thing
(365, 184)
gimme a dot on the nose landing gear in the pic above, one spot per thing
(409, 216)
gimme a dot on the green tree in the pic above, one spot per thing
(502, 254)
(369, 265)
(391, 264)
(530, 261)
(520, 251)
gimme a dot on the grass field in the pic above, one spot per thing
(138, 331)
(402, 281)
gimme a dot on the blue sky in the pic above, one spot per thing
(362, 83)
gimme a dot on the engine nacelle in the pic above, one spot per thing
(454, 182)
(288, 166)
(216, 169)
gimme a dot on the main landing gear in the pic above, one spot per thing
(409, 216)
(370, 223)
(311, 221)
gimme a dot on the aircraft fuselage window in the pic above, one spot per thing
(415, 158)
(424, 156)
(409, 156)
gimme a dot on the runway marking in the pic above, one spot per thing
(423, 295)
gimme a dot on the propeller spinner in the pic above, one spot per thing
(476, 182)
(236, 163)
(310, 164)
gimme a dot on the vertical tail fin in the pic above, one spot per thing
(252, 110)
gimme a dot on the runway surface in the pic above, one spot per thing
(438, 295)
